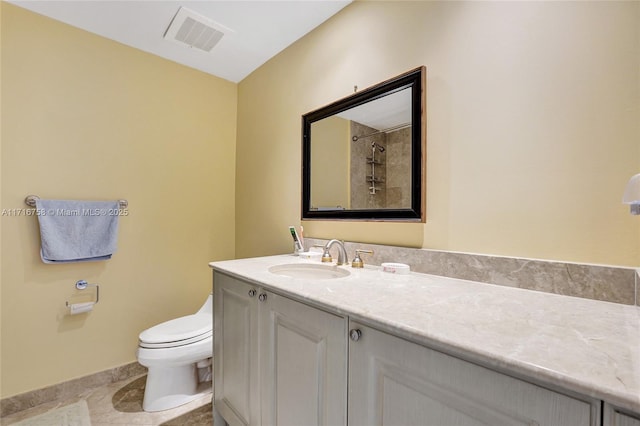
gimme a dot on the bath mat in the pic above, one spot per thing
(76, 414)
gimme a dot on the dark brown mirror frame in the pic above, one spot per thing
(414, 79)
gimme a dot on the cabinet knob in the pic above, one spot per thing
(252, 292)
(262, 297)
(355, 334)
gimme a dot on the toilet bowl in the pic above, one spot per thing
(177, 354)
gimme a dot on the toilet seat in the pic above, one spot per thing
(177, 332)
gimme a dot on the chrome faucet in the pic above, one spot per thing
(342, 253)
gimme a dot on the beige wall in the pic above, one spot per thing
(87, 118)
(533, 112)
(330, 185)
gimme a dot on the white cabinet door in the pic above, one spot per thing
(303, 365)
(614, 417)
(236, 377)
(276, 361)
(396, 382)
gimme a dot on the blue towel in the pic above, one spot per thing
(77, 231)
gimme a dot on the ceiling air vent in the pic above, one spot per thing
(194, 30)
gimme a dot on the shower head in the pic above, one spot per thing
(380, 147)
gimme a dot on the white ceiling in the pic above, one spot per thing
(383, 113)
(259, 29)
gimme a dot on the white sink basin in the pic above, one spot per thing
(310, 271)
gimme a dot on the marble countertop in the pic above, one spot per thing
(581, 345)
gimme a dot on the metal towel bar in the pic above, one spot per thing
(31, 201)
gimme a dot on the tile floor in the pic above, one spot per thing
(120, 404)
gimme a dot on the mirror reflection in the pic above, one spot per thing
(370, 146)
(362, 156)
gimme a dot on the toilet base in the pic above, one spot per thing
(170, 387)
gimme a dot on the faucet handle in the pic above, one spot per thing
(357, 260)
(326, 256)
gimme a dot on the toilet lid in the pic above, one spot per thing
(179, 331)
(164, 345)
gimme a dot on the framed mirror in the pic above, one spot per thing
(363, 157)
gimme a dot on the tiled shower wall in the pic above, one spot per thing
(598, 282)
(398, 184)
(394, 192)
(360, 168)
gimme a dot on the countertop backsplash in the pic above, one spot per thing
(598, 282)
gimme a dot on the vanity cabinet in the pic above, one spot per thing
(615, 417)
(235, 348)
(282, 362)
(396, 382)
(277, 361)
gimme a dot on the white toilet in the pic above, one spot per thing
(177, 354)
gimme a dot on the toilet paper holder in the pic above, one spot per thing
(81, 285)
